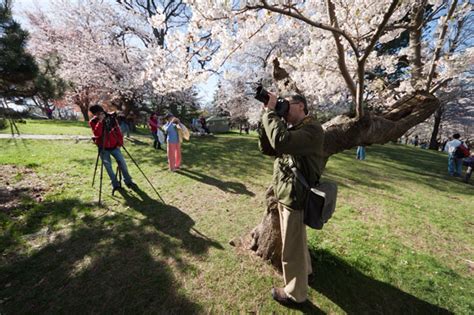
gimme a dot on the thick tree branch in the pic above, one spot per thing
(442, 35)
(415, 40)
(342, 132)
(361, 61)
(341, 59)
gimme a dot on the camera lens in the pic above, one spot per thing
(262, 95)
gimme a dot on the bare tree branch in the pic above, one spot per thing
(303, 18)
(442, 35)
(415, 40)
(341, 60)
(361, 61)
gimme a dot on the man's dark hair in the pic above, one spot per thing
(95, 109)
(300, 99)
(456, 136)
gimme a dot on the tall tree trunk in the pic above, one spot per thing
(85, 112)
(434, 145)
(342, 133)
(415, 41)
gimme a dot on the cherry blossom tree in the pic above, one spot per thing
(330, 51)
(97, 45)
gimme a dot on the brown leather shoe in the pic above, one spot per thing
(280, 296)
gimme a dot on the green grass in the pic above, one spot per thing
(399, 242)
(56, 127)
(50, 127)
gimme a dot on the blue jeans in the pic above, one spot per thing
(117, 154)
(125, 128)
(361, 152)
(454, 165)
(156, 142)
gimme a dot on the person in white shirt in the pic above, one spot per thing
(454, 164)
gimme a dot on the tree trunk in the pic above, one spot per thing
(434, 144)
(85, 112)
(342, 133)
(265, 238)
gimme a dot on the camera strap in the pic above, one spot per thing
(298, 175)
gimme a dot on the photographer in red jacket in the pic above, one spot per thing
(109, 139)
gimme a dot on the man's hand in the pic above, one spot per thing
(272, 101)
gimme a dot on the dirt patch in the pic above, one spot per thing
(17, 184)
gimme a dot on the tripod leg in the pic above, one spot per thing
(95, 169)
(101, 176)
(136, 164)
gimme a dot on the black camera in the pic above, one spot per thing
(282, 105)
(110, 120)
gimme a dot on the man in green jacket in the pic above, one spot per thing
(297, 142)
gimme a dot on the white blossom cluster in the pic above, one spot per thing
(247, 37)
(238, 40)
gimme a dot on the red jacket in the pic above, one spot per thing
(111, 140)
(153, 123)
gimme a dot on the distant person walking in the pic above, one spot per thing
(131, 117)
(361, 152)
(49, 111)
(173, 144)
(203, 122)
(153, 125)
(454, 163)
(416, 141)
(122, 120)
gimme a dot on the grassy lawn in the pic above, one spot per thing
(55, 127)
(400, 240)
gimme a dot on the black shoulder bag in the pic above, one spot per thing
(320, 200)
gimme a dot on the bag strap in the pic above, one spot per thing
(298, 175)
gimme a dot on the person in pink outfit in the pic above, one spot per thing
(173, 143)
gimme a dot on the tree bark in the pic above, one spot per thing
(434, 144)
(265, 238)
(85, 113)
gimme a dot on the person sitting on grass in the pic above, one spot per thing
(109, 139)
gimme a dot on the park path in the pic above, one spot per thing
(43, 137)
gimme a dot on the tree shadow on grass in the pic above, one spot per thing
(170, 221)
(136, 141)
(103, 267)
(230, 187)
(357, 293)
(39, 216)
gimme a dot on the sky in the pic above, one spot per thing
(205, 90)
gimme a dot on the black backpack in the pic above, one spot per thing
(461, 151)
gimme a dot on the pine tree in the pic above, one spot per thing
(18, 68)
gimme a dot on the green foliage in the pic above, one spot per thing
(17, 67)
(399, 241)
(48, 84)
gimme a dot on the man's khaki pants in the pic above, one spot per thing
(295, 258)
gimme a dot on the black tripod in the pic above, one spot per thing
(119, 170)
